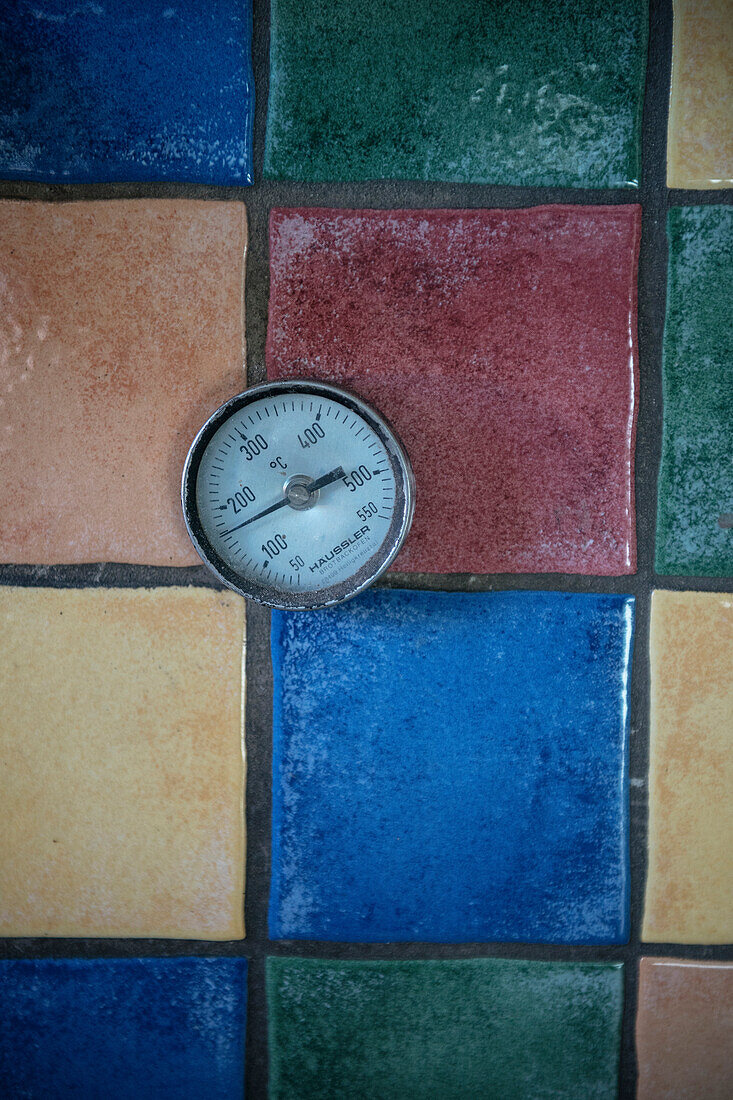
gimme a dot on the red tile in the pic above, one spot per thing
(502, 346)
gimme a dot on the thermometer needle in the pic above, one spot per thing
(320, 483)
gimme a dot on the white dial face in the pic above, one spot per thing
(296, 492)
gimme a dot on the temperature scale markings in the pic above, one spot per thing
(267, 412)
(258, 414)
(274, 409)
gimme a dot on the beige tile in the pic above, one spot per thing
(689, 891)
(684, 1030)
(700, 128)
(121, 763)
(121, 330)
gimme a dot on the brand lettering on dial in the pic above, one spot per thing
(340, 548)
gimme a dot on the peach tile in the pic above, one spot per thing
(684, 1030)
(121, 330)
(700, 129)
(690, 877)
(122, 772)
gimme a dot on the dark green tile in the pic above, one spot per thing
(443, 1030)
(543, 92)
(695, 510)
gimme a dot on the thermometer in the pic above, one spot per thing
(297, 494)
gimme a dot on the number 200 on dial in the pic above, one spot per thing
(297, 494)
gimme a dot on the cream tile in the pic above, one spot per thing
(700, 128)
(689, 892)
(122, 778)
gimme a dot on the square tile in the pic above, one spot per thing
(690, 875)
(695, 509)
(123, 1029)
(123, 780)
(502, 346)
(137, 90)
(542, 94)
(449, 1029)
(684, 1030)
(121, 331)
(452, 768)
(700, 131)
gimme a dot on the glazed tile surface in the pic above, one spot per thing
(695, 511)
(136, 90)
(502, 346)
(123, 1029)
(444, 1030)
(122, 782)
(690, 876)
(452, 767)
(546, 93)
(684, 1030)
(700, 131)
(121, 330)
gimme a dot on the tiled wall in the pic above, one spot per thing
(488, 806)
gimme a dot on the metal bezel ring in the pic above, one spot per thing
(371, 569)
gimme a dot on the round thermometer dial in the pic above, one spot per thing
(297, 494)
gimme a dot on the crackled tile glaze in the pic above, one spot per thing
(695, 510)
(690, 876)
(122, 783)
(121, 330)
(700, 132)
(468, 784)
(684, 1030)
(123, 1029)
(135, 90)
(450, 1029)
(502, 346)
(546, 93)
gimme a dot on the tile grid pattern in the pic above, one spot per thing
(652, 282)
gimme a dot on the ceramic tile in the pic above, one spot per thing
(502, 346)
(452, 767)
(107, 370)
(123, 1029)
(544, 94)
(700, 133)
(449, 1029)
(122, 790)
(684, 1030)
(690, 876)
(136, 90)
(695, 511)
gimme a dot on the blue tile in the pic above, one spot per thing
(135, 90)
(452, 768)
(119, 1028)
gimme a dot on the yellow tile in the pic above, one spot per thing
(700, 129)
(121, 763)
(689, 892)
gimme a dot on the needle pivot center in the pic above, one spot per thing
(298, 493)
